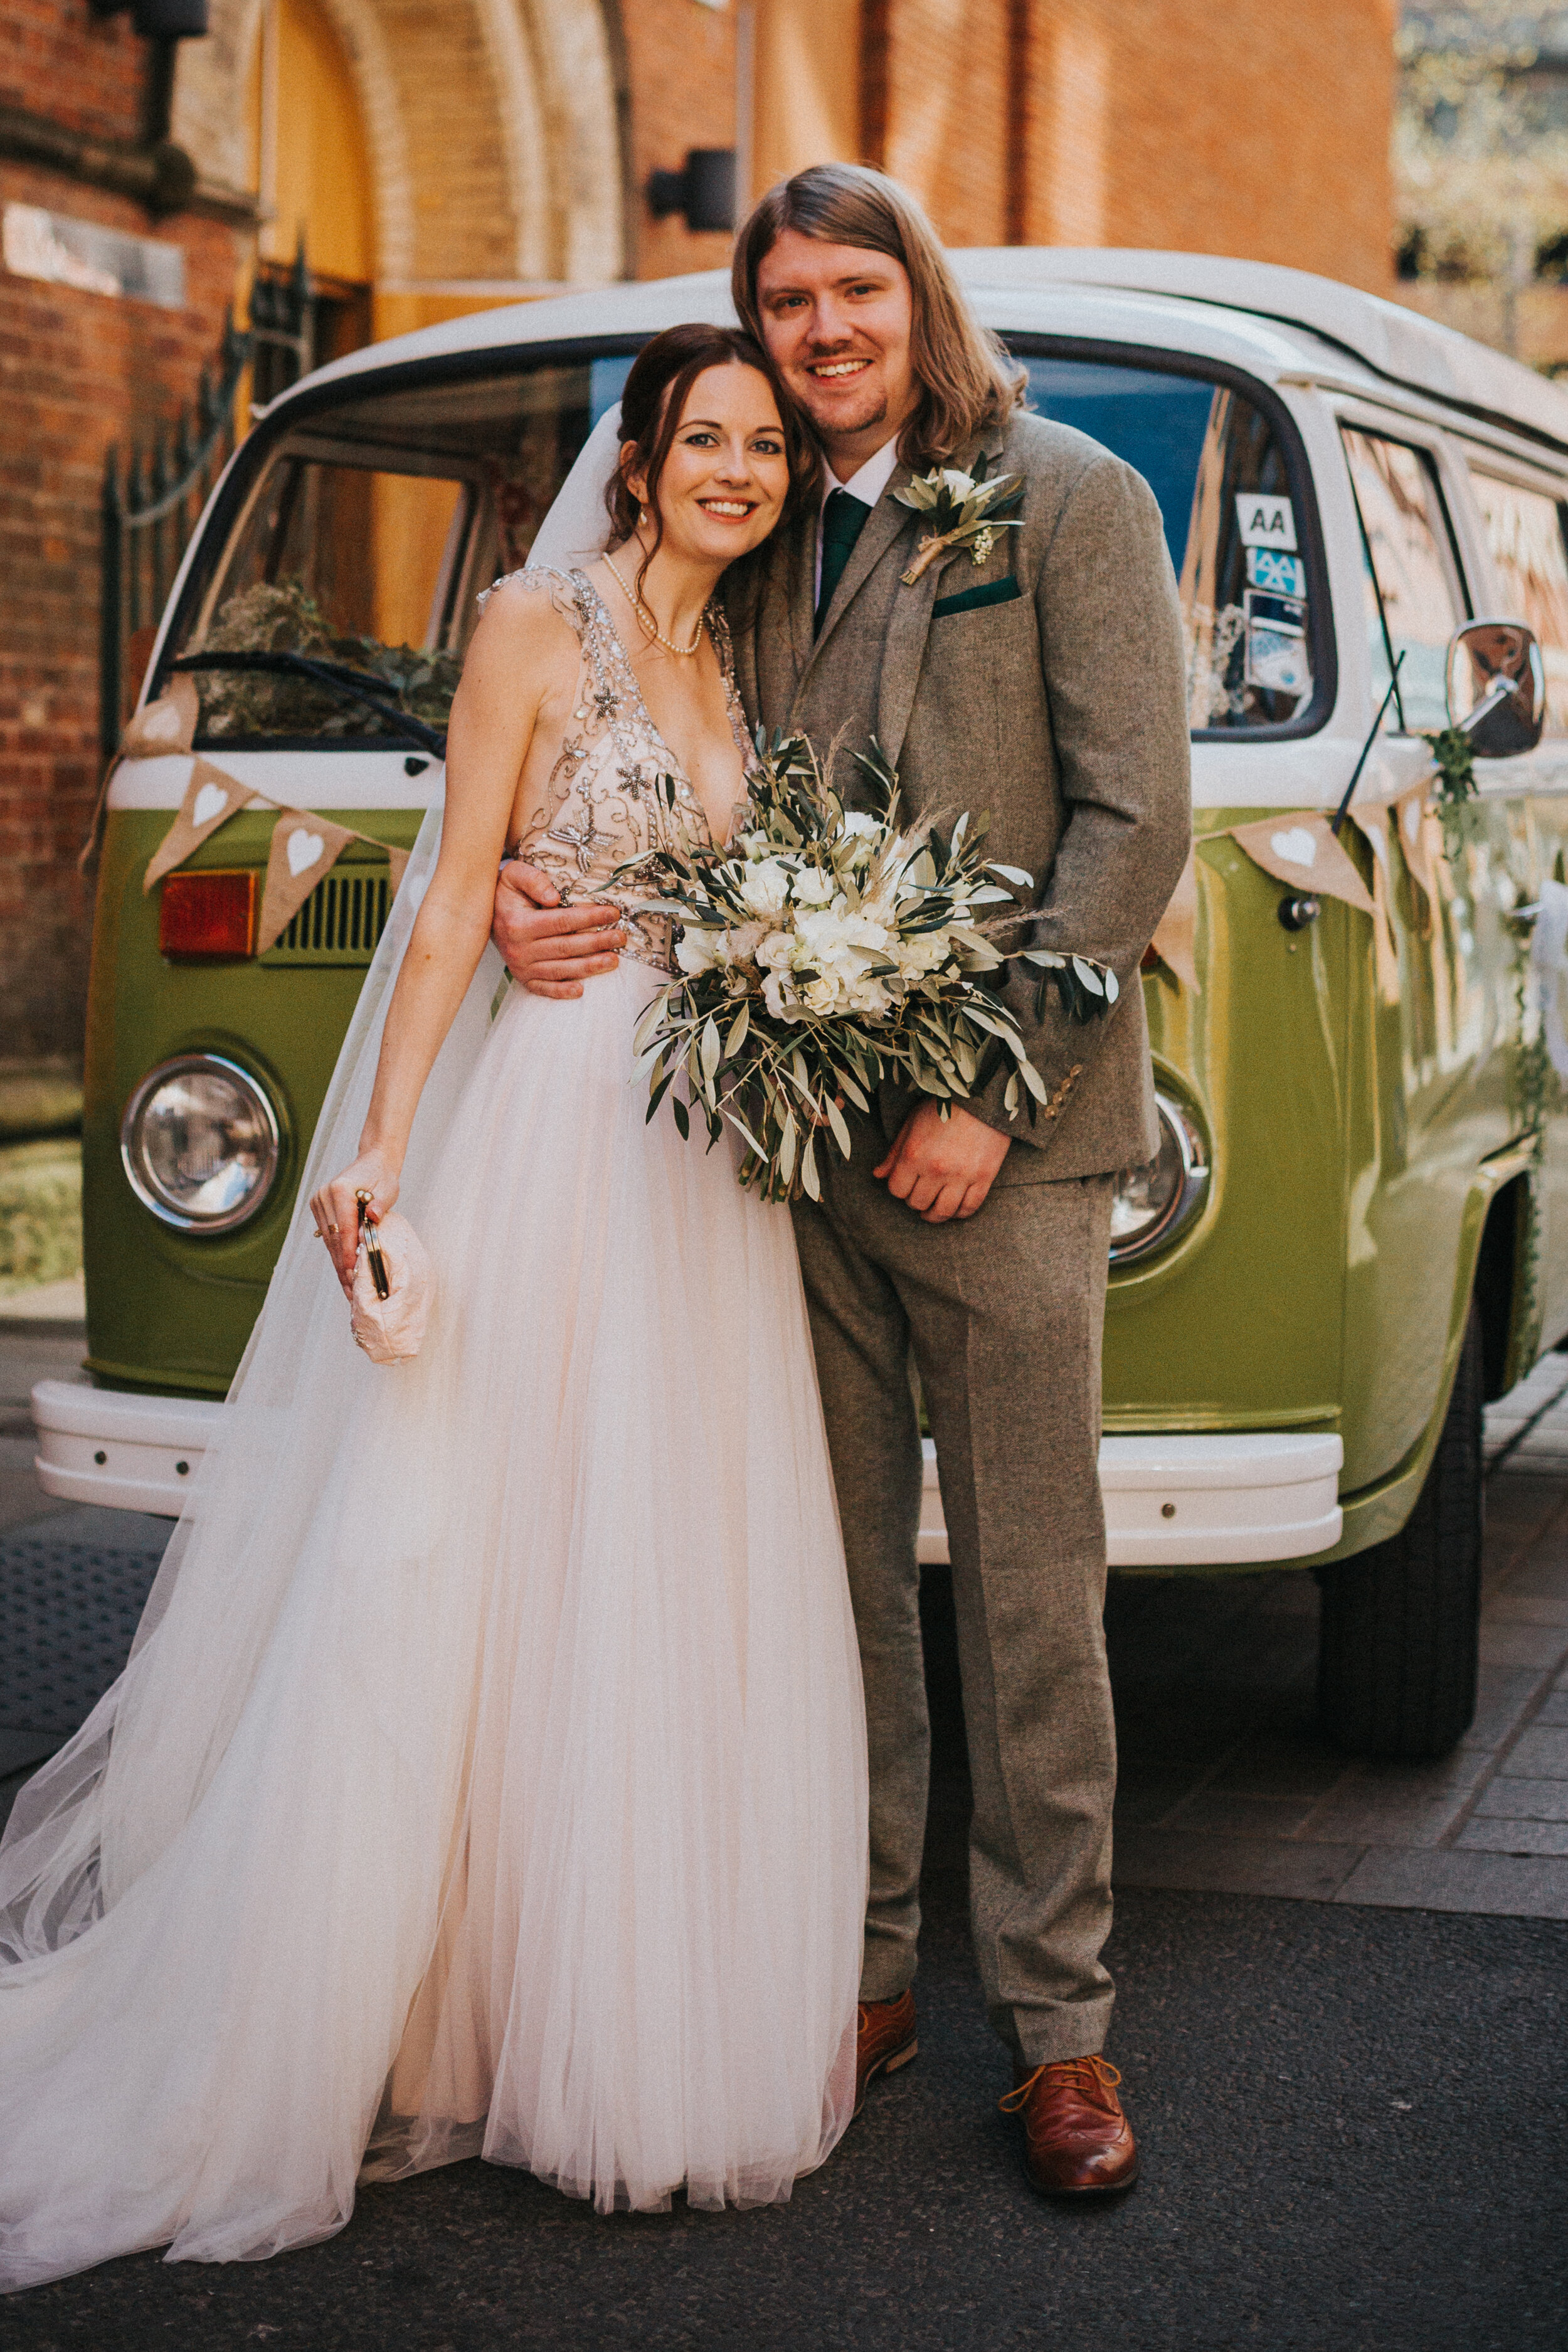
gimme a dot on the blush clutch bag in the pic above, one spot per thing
(394, 1289)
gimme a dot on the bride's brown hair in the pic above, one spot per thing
(654, 402)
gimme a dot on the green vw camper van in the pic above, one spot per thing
(1357, 1227)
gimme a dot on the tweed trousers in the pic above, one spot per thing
(1001, 1315)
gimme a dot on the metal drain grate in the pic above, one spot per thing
(67, 1612)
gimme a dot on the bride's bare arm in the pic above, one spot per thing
(507, 676)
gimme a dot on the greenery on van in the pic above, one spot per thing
(283, 617)
(1455, 793)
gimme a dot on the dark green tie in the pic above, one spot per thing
(843, 520)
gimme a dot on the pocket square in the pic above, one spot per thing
(970, 600)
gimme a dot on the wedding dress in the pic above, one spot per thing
(489, 1774)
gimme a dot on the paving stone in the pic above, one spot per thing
(1502, 1694)
(1375, 1779)
(1503, 1643)
(1540, 1753)
(1524, 1800)
(1282, 1765)
(1226, 1865)
(1495, 1836)
(1143, 1801)
(1552, 1712)
(1532, 1888)
(1365, 1818)
(1505, 1607)
(1224, 1815)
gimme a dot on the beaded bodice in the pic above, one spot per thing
(600, 809)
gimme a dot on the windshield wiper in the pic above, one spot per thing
(358, 684)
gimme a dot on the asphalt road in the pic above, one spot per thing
(1352, 2118)
(1353, 2123)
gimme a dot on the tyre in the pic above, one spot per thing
(1396, 1649)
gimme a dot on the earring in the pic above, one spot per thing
(642, 514)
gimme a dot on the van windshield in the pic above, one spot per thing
(372, 527)
(366, 538)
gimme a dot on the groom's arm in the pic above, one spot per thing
(550, 949)
(1115, 682)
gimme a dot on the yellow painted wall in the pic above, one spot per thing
(806, 105)
(321, 162)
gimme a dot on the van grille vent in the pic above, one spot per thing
(340, 922)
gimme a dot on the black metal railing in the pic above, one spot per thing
(149, 510)
(148, 515)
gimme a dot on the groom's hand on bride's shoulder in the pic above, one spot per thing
(942, 1167)
(548, 947)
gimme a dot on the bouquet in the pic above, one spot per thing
(825, 950)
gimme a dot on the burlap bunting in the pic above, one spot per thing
(211, 799)
(304, 849)
(305, 846)
(1300, 850)
(1177, 940)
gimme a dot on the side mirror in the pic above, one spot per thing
(1496, 688)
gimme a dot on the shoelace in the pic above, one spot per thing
(1099, 2073)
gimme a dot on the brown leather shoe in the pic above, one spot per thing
(886, 2041)
(1077, 2141)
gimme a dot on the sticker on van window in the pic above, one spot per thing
(1277, 644)
(1269, 567)
(1266, 521)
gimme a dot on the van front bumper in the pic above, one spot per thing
(131, 1453)
(1183, 1501)
(1200, 1500)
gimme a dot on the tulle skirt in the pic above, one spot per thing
(491, 1778)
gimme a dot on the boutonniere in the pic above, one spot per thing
(965, 511)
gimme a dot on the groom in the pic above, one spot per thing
(1046, 686)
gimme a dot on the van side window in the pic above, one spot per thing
(1415, 591)
(1238, 544)
(1524, 534)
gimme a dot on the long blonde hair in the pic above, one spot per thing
(969, 386)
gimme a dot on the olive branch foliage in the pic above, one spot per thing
(875, 965)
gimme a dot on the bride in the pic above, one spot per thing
(488, 1774)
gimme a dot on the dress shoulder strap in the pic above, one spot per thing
(543, 578)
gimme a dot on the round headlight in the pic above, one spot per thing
(1151, 1205)
(199, 1140)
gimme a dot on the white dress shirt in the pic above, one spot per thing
(866, 485)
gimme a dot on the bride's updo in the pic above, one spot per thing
(654, 402)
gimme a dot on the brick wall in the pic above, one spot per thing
(78, 371)
(680, 64)
(85, 70)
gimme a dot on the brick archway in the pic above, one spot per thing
(491, 126)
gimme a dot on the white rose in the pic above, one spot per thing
(960, 484)
(811, 888)
(765, 887)
(778, 997)
(776, 952)
(697, 950)
(856, 824)
(821, 995)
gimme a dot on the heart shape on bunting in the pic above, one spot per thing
(210, 799)
(1297, 847)
(1302, 851)
(304, 848)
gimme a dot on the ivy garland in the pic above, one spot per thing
(1455, 793)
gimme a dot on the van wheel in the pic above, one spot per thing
(1397, 1644)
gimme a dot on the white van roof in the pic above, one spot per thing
(1400, 346)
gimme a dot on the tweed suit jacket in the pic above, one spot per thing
(1044, 687)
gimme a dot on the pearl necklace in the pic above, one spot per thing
(647, 619)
